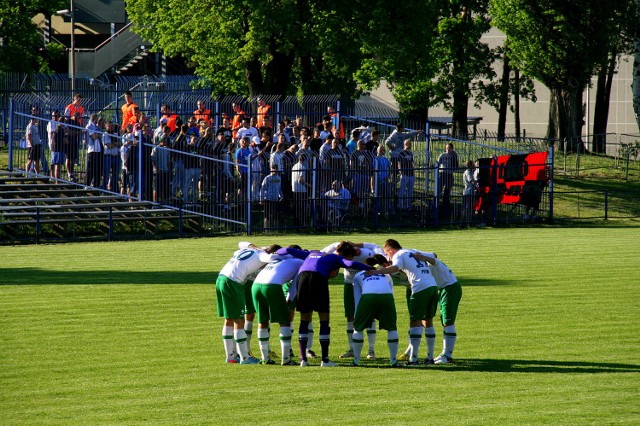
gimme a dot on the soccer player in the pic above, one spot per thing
(424, 297)
(449, 295)
(374, 300)
(313, 293)
(363, 251)
(230, 296)
(271, 304)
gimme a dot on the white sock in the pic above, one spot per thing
(248, 328)
(240, 336)
(263, 341)
(310, 337)
(285, 343)
(449, 340)
(430, 336)
(408, 350)
(392, 341)
(415, 336)
(350, 334)
(371, 336)
(227, 340)
(358, 342)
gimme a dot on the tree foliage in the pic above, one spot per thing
(559, 43)
(21, 46)
(250, 47)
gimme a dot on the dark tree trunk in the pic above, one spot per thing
(253, 73)
(278, 73)
(601, 111)
(504, 97)
(459, 119)
(516, 102)
(566, 117)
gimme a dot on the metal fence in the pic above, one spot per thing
(201, 176)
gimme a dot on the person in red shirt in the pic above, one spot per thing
(263, 111)
(202, 113)
(171, 117)
(127, 109)
(75, 106)
(237, 118)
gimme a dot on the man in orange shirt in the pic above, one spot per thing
(237, 118)
(263, 111)
(74, 107)
(202, 113)
(171, 117)
(127, 109)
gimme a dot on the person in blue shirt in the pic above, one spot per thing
(313, 293)
(242, 154)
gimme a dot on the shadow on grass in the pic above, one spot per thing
(520, 366)
(39, 276)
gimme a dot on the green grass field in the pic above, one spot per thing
(126, 333)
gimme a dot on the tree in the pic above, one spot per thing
(21, 46)
(499, 93)
(623, 43)
(252, 47)
(560, 44)
(397, 45)
(636, 65)
(462, 60)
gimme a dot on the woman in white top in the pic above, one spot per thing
(469, 191)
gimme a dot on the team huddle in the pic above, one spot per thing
(273, 282)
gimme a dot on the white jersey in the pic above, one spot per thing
(366, 252)
(442, 274)
(417, 271)
(244, 263)
(372, 284)
(279, 270)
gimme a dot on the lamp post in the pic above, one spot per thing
(72, 54)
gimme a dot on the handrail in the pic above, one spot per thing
(104, 43)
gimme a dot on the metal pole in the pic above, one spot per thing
(248, 195)
(10, 138)
(140, 148)
(552, 152)
(606, 205)
(73, 49)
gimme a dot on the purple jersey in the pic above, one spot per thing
(322, 263)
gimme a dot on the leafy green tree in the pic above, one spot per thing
(622, 44)
(559, 43)
(462, 59)
(21, 46)
(397, 43)
(505, 94)
(252, 47)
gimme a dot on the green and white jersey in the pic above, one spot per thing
(418, 272)
(372, 284)
(244, 263)
(279, 270)
(442, 274)
(366, 252)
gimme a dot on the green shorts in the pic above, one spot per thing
(248, 299)
(285, 290)
(349, 301)
(423, 304)
(376, 306)
(229, 298)
(270, 303)
(449, 300)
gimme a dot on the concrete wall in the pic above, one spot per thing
(533, 116)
